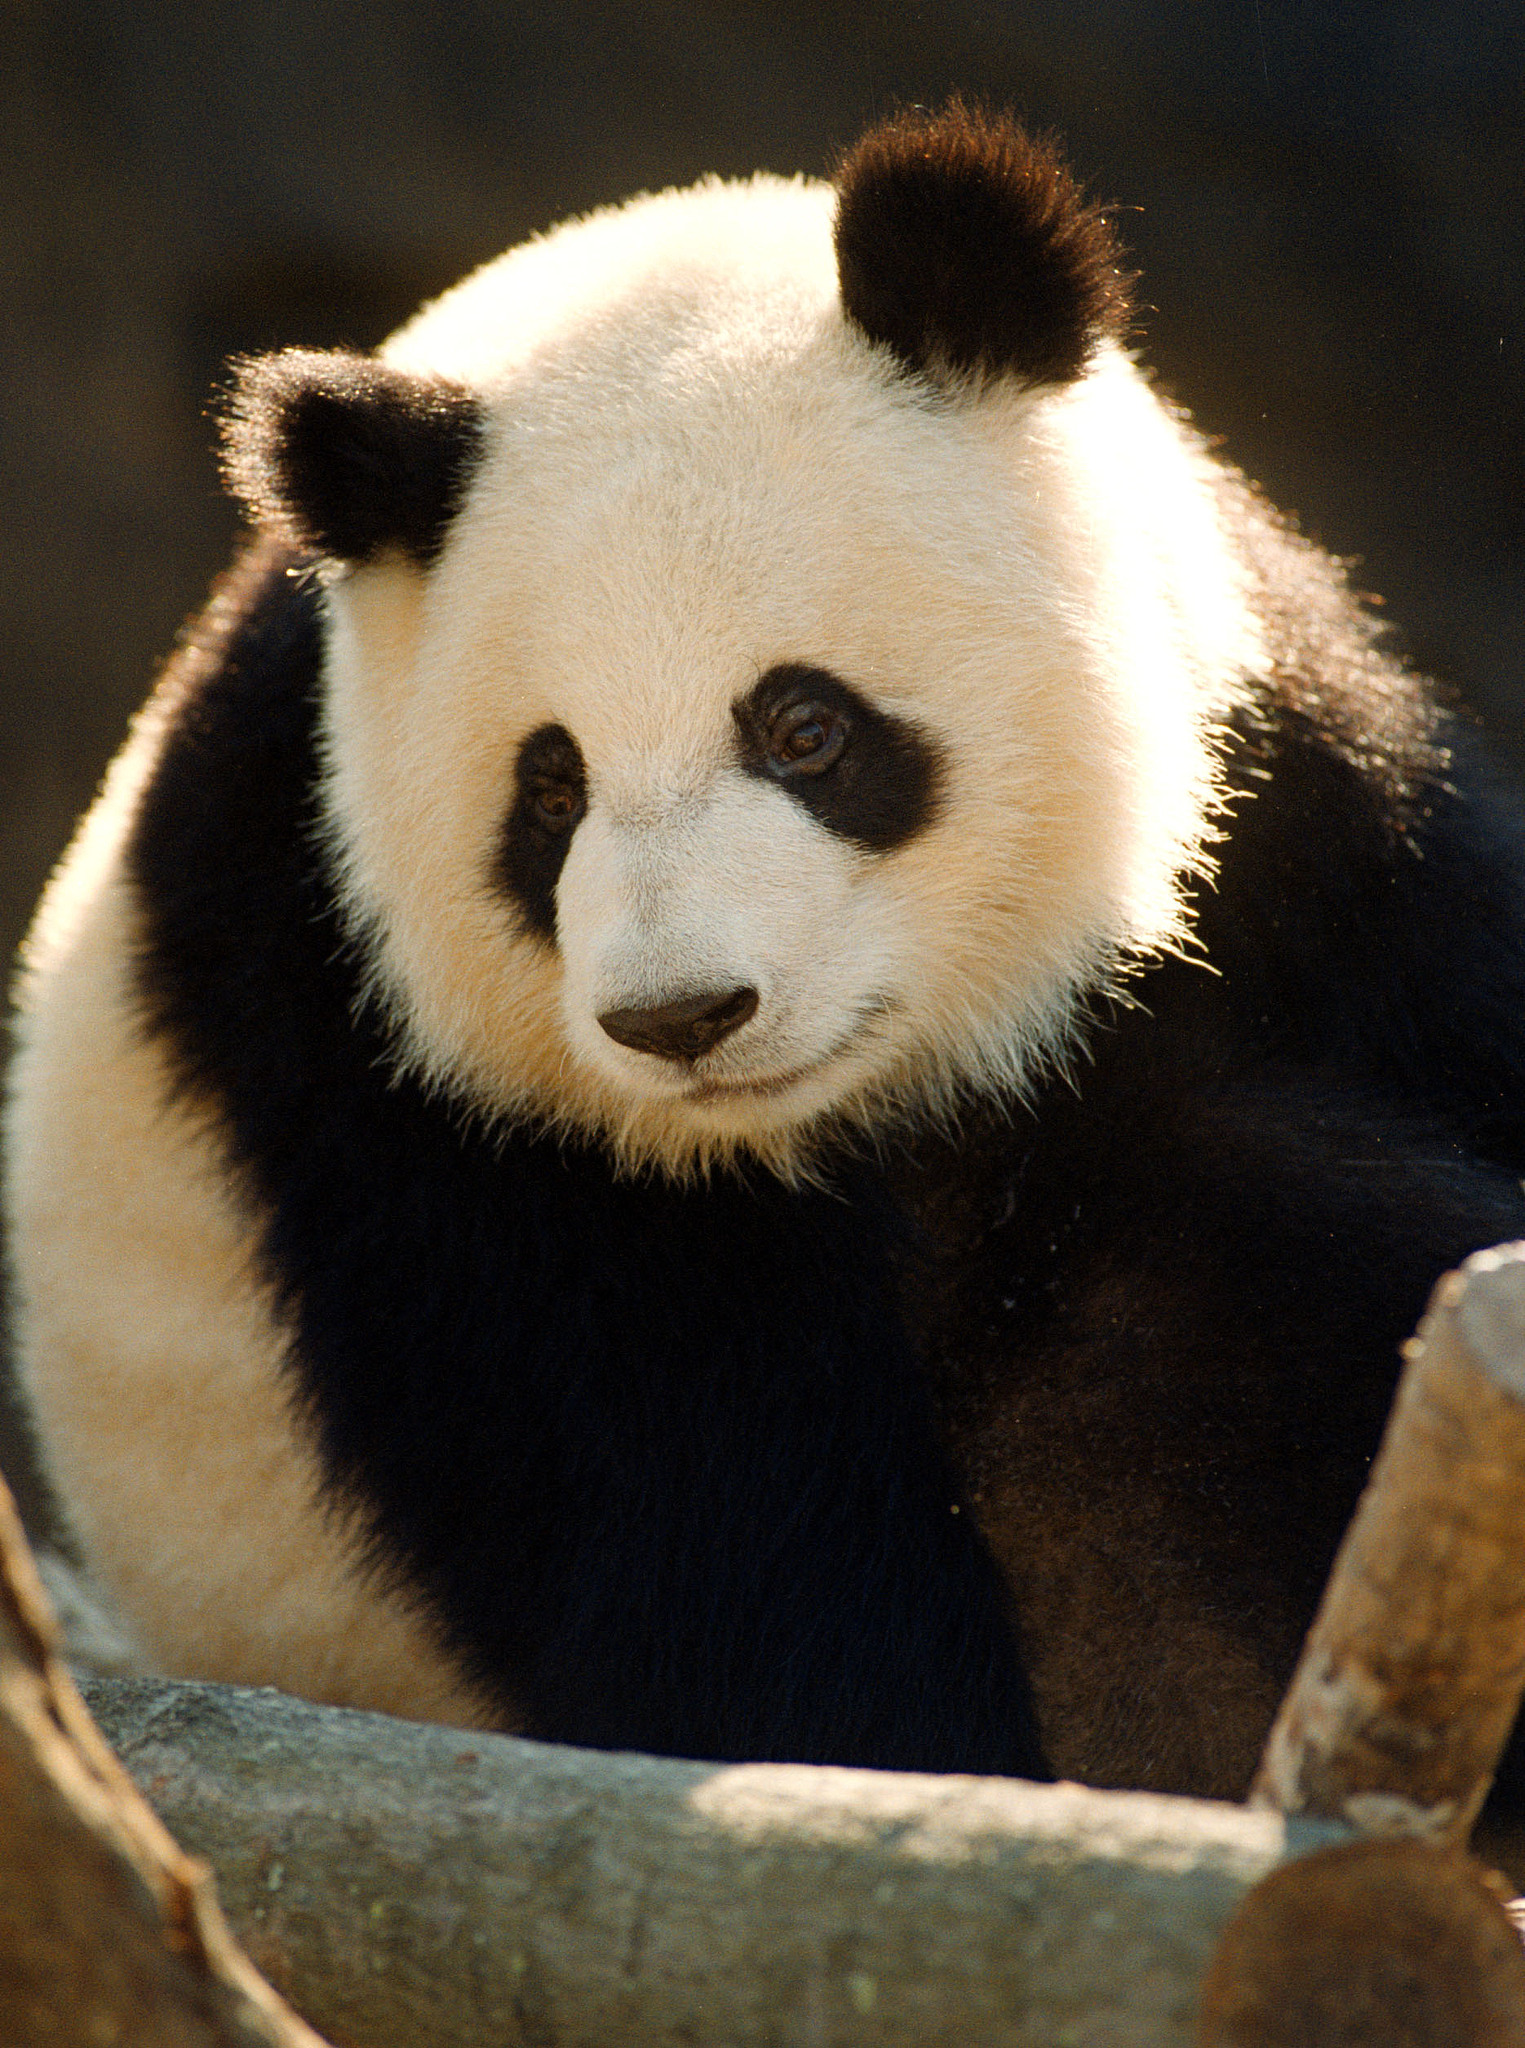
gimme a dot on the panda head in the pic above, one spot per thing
(774, 641)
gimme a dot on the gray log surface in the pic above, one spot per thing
(413, 1887)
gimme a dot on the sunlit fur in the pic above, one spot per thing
(696, 470)
(147, 1347)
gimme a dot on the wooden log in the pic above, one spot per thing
(1388, 1942)
(1413, 1670)
(110, 1937)
(413, 1887)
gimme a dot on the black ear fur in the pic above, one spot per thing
(964, 244)
(342, 455)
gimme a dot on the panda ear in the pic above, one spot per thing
(344, 456)
(964, 245)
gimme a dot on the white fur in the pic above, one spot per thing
(696, 471)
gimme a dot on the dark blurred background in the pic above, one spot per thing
(1327, 204)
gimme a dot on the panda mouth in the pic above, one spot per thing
(767, 1085)
(773, 1084)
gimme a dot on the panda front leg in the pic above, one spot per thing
(152, 1360)
(660, 1457)
(1171, 1361)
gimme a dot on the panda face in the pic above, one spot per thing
(713, 991)
(776, 742)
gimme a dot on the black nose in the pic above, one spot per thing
(684, 1030)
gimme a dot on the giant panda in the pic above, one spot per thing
(761, 1047)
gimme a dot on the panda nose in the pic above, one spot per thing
(683, 1030)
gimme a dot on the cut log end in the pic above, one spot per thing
(1489, 1306)
(1380, 1942)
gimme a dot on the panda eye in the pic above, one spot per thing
(861, 772)
(558, 805)
(550, 801)
(806, 739)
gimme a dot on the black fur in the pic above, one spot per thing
(884, 777)
(550, 798)
(674, 1468)
(964, 244)
(661, 1460)
(343, 456)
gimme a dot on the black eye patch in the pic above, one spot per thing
(863, 773)
(549, 803)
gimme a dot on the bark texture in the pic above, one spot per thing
(413, 1887)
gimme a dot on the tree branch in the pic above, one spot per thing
(108, 1933)
(1412, 1672)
